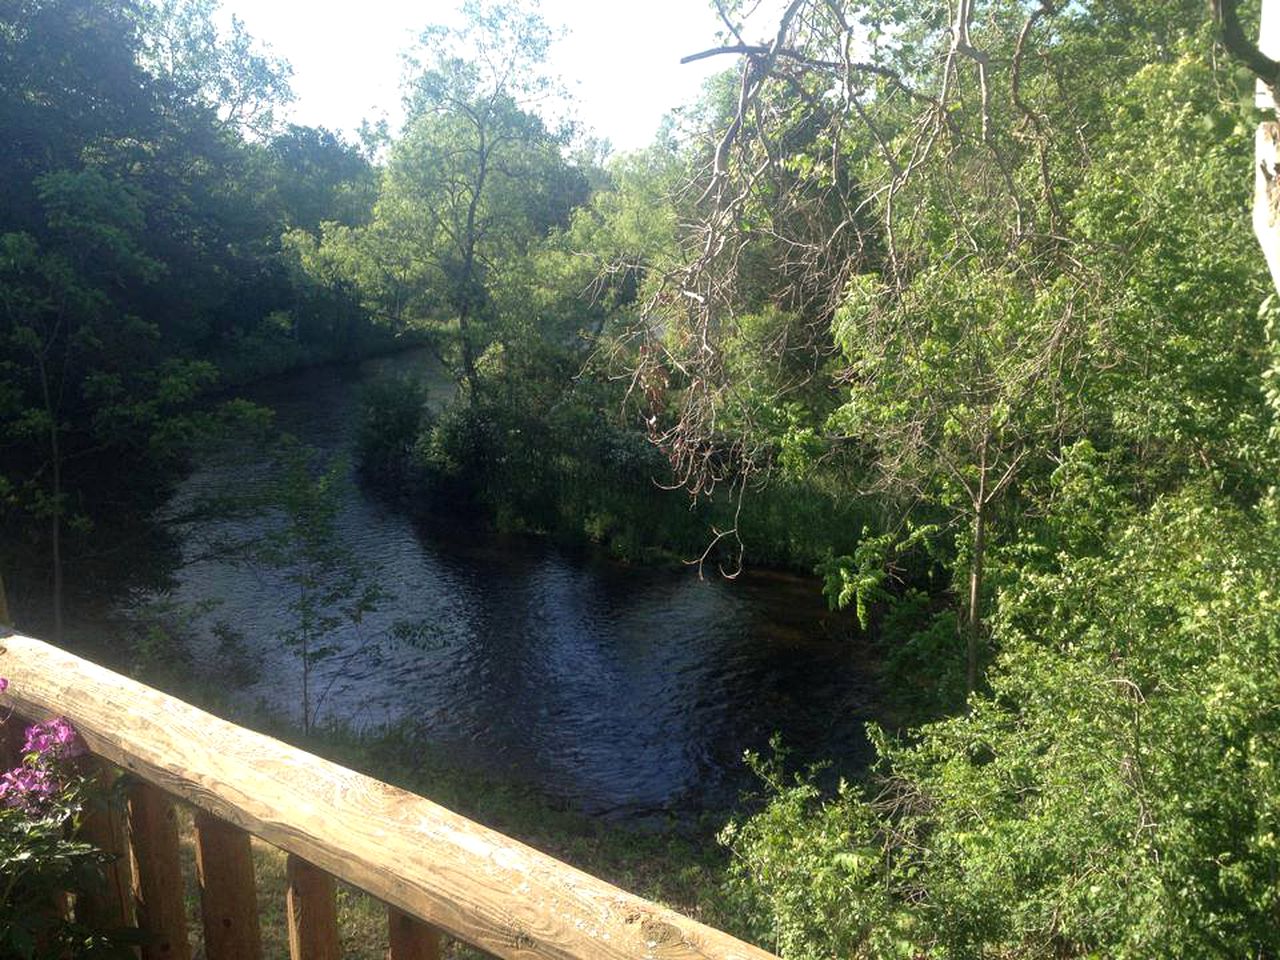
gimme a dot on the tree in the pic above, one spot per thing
(1267, 139)
(327, 587)
(476, 177)
(317, 176)
(923, 176)
(81, 375)
(1101, 794)
(1110, 796)
(229, 73)
(955, 390)
(121, 169)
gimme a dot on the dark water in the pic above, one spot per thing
(624, 692)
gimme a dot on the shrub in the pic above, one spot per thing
(1112, 794)
(41, 803)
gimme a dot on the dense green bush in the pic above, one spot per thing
(1113, 794)
(393, 412)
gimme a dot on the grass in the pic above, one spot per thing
(361, 918)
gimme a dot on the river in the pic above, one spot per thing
(621, 692)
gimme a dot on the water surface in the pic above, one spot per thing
(623, 692)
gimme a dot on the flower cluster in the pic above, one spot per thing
(39, 778)
(55, 740)
(28, 787)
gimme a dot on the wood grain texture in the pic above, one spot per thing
(158, 887)
(410, 939)
(228, 900)
(110, 905)
(471, 882)
(312, 912)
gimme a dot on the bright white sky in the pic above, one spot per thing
(621, 60)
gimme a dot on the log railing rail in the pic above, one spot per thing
(435, 870)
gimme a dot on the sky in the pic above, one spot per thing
(621, 61)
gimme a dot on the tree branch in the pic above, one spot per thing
(1226, 13)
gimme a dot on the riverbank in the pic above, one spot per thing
(558, 460)
(242, 366)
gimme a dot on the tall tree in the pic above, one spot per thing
(122, 168)
(226, 71)
(476, 177)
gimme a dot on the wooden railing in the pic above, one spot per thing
(436, 871)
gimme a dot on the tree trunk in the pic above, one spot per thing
(1266, 202)
(55, 518)
(467, 280)
(306, 686)
(55, 523)
(468, 356)
(973, 623)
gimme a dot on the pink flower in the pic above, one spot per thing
(28, 787)
(56, 740)
(4, 684)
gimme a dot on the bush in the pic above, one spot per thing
(532, 458)
(41, 803)
(393, 412)
(1113, 794)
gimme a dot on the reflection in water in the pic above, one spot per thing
(626, 692)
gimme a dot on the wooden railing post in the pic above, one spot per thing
(313, 912)
(228, 904)
(410, 938)
(10, 726)
(157, 874)
(108, 906)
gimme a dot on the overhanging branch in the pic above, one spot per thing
(1226, 14)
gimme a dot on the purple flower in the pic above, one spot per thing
(4, 684)
(28, 787)
(56, 740)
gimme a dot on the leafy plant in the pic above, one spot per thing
(41, 858)
(326, 585)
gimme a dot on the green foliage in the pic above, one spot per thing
(393, 412)
(141, 206)
(1184, 343)
(474, 181)
(860, 579)
(203, 66)
(1087, 330)
(564, 469)
(1112, 795)
(42, 859)
(326, 586)
(797, 864)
